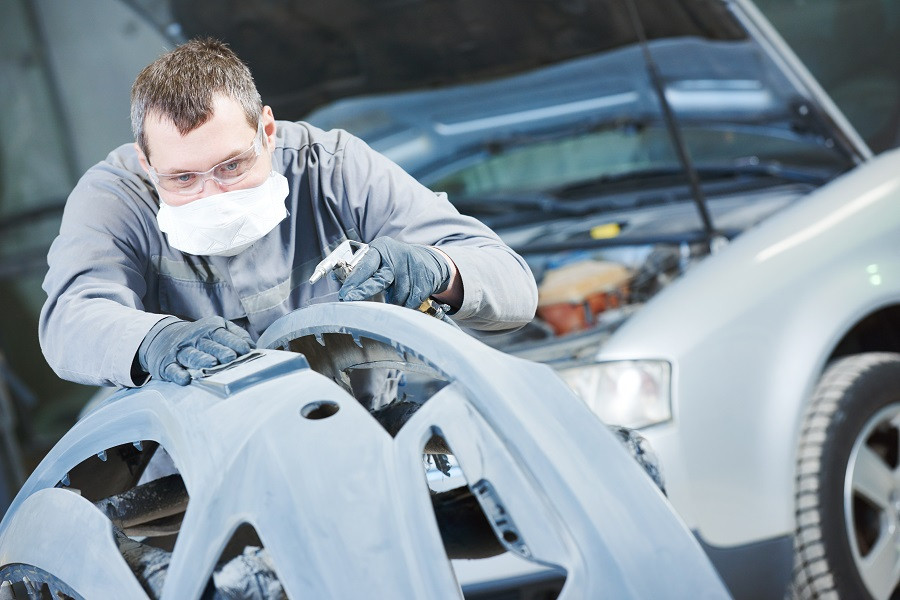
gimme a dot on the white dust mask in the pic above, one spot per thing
(228, 223)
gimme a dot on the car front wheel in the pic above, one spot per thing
(847, 498)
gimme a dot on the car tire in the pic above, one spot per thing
(847, 496)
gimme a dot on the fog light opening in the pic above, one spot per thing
(477, 529)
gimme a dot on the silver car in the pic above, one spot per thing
(767, 380)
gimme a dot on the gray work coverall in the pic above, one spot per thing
(113, 275)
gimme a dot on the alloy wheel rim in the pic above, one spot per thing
(872, 502)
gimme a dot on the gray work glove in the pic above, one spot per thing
(168, 353)
(407, 274)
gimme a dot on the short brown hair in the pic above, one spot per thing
(181, 85)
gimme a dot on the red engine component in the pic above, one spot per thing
(571, 297)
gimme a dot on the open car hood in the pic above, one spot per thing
(305, 54)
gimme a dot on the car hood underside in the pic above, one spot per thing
(304, 54)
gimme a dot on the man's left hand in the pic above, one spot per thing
(408, 274)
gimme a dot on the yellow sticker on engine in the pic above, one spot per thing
(605, 231)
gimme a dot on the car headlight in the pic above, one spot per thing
(631, 393)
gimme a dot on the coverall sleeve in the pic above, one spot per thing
(93, 320)
(499, 290)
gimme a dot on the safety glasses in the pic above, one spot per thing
(227, 172)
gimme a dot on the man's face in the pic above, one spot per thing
(226, 135)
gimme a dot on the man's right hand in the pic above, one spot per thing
(183, 345)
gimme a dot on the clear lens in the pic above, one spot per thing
(239, 166)
(227, 172)
(629, 393)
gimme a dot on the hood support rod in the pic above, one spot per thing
(713, 239)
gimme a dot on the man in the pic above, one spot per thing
(176, 252)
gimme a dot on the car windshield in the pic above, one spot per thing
(565, 164)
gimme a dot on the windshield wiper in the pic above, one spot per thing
(503, 203)
(606, 193)
(705, 172)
